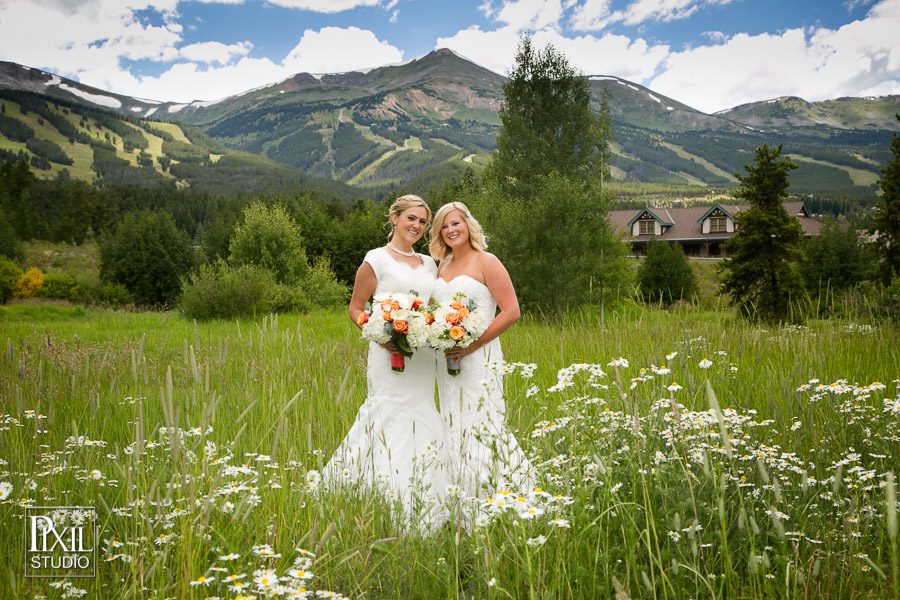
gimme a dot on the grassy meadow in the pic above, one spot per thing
(680, 454)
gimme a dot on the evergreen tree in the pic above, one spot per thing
(665, 275)
(147, 255)
(761, 277)
(886, 221)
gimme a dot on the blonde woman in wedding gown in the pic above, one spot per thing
(396, 446)
(484, 456)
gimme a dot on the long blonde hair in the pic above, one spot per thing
(405, 203)
(438, 247)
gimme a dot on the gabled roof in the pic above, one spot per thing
(686, 224)
(713, 208)
(647, 211)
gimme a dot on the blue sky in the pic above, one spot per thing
(709, 54)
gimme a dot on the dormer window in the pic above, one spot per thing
(718, 224)
(646, 227)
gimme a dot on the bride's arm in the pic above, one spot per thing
(363, 288)
(500, 285)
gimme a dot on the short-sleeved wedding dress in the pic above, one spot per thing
(484, 456)
(396, 446)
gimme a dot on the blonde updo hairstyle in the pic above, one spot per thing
(438, 247)
(402, 204)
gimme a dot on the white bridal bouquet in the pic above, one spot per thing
(455, 324)
(401, 318)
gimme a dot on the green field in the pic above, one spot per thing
(196, 444)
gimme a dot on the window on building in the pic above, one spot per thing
(717, 225)
(646, 228)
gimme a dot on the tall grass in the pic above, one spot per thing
(200, 446)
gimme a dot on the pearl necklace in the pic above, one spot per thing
(395, 249)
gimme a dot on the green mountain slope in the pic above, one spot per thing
(437, 115)
(63, 139)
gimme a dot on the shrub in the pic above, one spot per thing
(223, 291)
(321, 286)
(147, 255)
(9, 275)
(115, 294)
(59, 286)
(665, 276)
(29, 284)
(291, 298)
(269, 238)
(837, 259)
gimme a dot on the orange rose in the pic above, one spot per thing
(394, 305)
(387, 316)
(362, 319)
(463, 312)
(456, 333)
(456, 305)
(429, 318)
(453, 318)
(417, 303)
(400, 326)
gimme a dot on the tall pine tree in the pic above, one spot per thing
(886, 221)
(762, 277)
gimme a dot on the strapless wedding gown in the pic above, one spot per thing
(484, 456)
(397, 446)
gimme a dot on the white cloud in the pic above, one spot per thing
(715, 36)
(325, 6)
(859, 59)
(333, 50)
(607, 55)
(214, 52)
(593, 15)
(530, 14)
(641, 11)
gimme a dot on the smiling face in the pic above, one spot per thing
(454, 230)
(409, 225)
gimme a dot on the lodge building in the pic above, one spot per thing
(700, 230)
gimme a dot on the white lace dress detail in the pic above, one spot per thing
(397, 444)
(484, 456)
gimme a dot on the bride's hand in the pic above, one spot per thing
(457, 354)
(390, 347)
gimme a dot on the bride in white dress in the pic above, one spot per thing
(396, 446)
(484, 456)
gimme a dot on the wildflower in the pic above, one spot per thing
(676, 537)
(796, 426)
(265, 578)
(538, 541)
(6, 489)
(233, 577)
(561, 523)
(616, 487)
(671, 355)
(705, 363)
(231, 556)
(492, 582)
(203, 581)
(674, 387)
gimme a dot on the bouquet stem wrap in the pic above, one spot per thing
(453, 366)
(398, 362)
